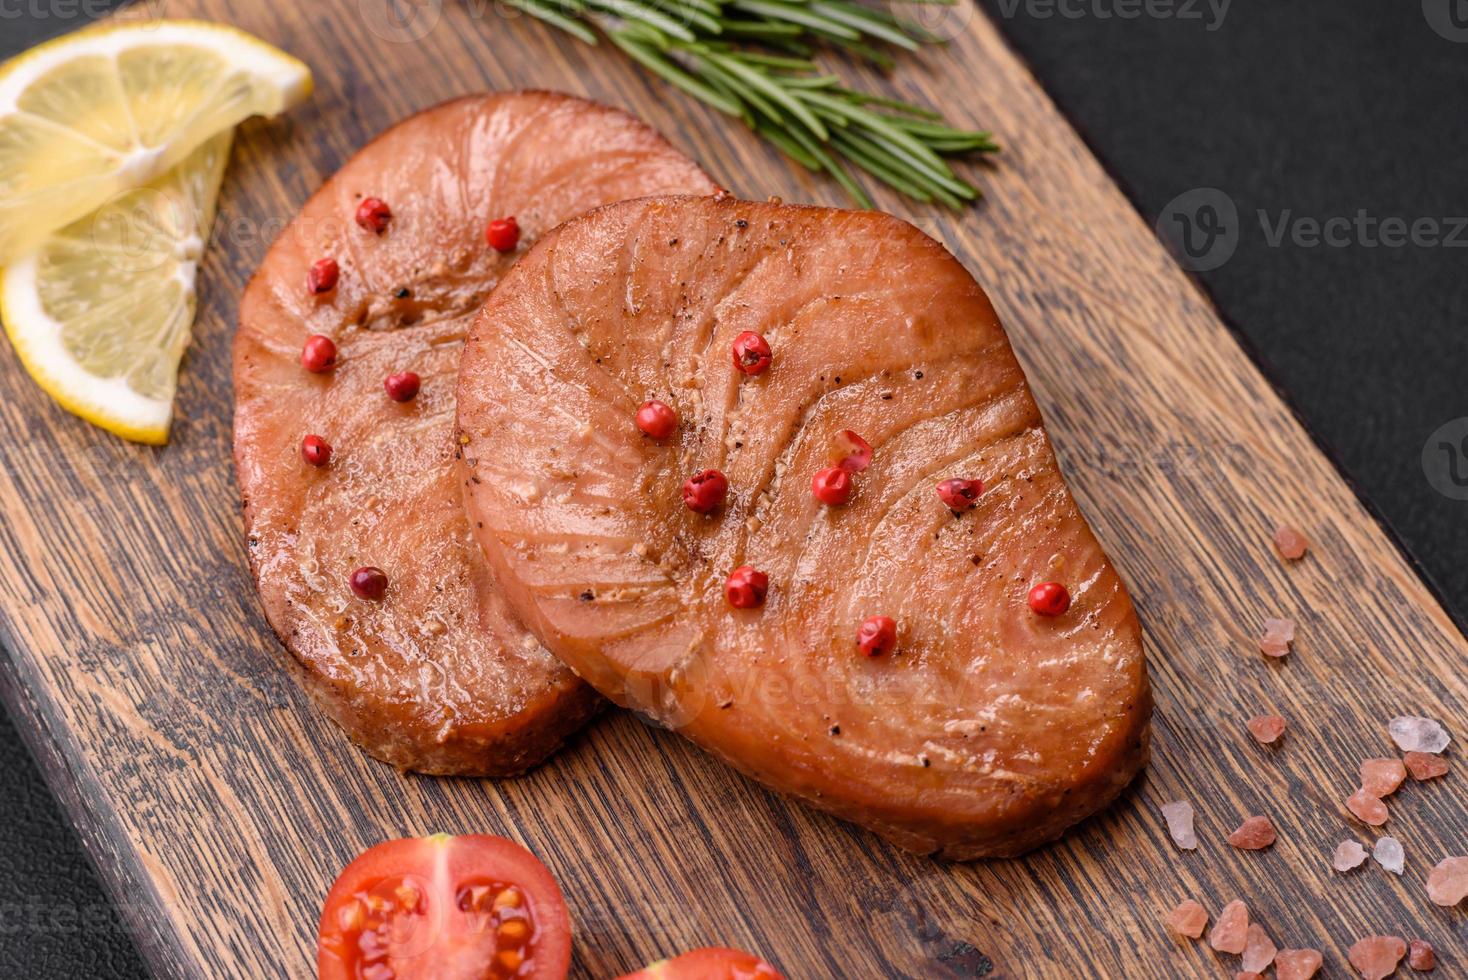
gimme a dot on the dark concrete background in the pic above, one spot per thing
(1300, 109)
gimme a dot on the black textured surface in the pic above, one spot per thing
(1315, 109)
(1312, 110)
(55, 920)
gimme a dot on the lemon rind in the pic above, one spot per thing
(104, 402)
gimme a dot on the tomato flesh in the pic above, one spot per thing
(444, 908)
(709, 963)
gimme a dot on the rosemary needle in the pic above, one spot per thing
(750, 59)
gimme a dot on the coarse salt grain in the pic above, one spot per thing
(1297, 964)
(1447, 884)
(1388, 853)
(1424, 765)
(1266, 729)
(1421, 956)
(1367, 808)
(1290, 543)
(1187, 920)
(1348, 856)
(1248, 975)
(1279, 634)
(1179, 817)
(1259, 949)
(1231, 932)
(1382, 777)
(1416, 734)
(1254, 834)
(1376, 957)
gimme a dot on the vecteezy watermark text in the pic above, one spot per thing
(77, 9)
(1210, 13)
(1363, 230)
(1203, 228)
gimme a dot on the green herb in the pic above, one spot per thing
(751, 59)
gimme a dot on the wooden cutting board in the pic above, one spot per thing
(219, 805)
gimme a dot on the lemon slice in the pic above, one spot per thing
(100, 312)
(94, 114)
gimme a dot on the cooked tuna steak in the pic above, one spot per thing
(438, 675)
(987, 728)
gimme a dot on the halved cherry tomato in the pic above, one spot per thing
(444, 908)
(710, 963)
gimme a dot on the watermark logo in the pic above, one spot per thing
(1445, 459)
(1449, 18)
(937, 21)
(1210, 13)
(1201, 227)
(400, 21)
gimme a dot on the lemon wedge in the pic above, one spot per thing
(101, 311)
(95, 114)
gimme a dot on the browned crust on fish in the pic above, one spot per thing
(990, 730)
(440, 677)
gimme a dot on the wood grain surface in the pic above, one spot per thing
(220, 806)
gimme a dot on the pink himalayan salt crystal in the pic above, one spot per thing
(1424, 766)
(1187, 920)
(1231, 932)
(1414, 734)
(1253, 834)
(1382, 777)
(1388, 853)
(1179, 817)
(1421, 956)
(1297, 964)
(1349, 855)
(1259, 949)
(1278, 635)
(1290, 543)
(1266, 729)
(1248, 975)
(1447, 884)
(1376, 957)
(1367, 808)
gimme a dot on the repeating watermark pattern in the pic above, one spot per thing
(1210, 14)
(43, 10)
(51, 918)
(940, 21)
(1203, 228)
(400, 21)
(1449, 18)
(1363, 230)
(1445, 459)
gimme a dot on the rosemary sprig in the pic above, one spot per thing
(751, 59)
